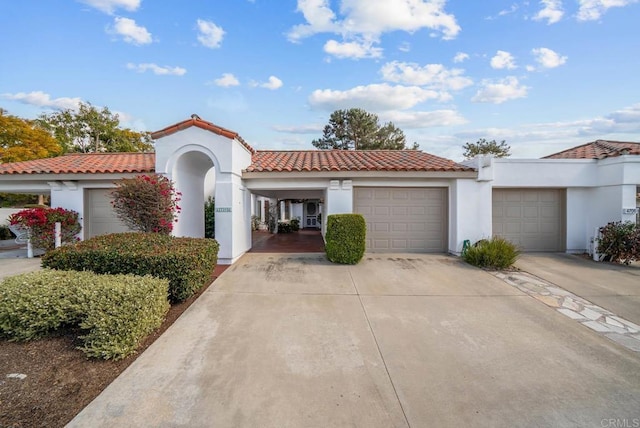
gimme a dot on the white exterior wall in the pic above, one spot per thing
(5, 213)
(470, 212)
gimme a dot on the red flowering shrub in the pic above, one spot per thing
(40, 222)
(147, 203)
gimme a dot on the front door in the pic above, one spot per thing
(311, 214)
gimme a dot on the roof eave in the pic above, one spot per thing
(467, 173)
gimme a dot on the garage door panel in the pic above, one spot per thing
(533, 219)
(100, 218)
(415, 218)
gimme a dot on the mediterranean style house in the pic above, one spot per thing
(412, 201)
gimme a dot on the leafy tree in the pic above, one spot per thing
(90, 130)
(22, 139)
(147, 203)
(484, 147)
(357, 129)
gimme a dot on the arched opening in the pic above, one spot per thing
(194, 176)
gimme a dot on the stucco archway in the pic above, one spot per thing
(193, 152)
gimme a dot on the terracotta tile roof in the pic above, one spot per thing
(202, 124)
(85, 163)
(598, 149)
(350, 160)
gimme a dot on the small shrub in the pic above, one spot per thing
(210, 218)
(284, 227)
(495, 253)
(5, 233)
(148, 203)
(345, 238)
(40, 221)
(255, 222)
(619, 242)
(187, 263)
(115, 312)
(295, 224)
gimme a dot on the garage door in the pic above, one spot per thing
(99, 216)
(403, 219)
(533, 219)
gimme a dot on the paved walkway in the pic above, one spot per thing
(395, 341)
(302, 241)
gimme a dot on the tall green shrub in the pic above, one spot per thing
(210, 218)
(345, 238)
(495, 253)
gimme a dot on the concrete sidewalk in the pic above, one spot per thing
(398, 340)
(614, 287)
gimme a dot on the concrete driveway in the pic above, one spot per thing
(398, 340)
(614, 287)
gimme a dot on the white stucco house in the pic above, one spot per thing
(412, 201)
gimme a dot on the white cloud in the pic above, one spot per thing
(209, 34)
(130, 31)
(503, 59)
(591, 10)
(497, 92)
(42, 99)
(404, 47)
(226, 80)
(273, 83)
(535, 140)
(156, 69)
(434, 76)
(423, 119)
(300, 129)
(548, 58)
(367, 20)
(460, 57)
(551, 11)
(109, 6)
(354, 50)
(375, 97)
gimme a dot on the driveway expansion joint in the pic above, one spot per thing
(598, 319)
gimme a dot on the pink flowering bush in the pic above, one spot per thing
(40, 222)
(147, 203)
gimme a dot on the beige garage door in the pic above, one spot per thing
(533, 219)
(403, 219)
(99, 216)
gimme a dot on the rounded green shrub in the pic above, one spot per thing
(495, 253)
(187, 263)
(345, 238)
(114, 312)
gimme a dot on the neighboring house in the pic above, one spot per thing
(412, 201)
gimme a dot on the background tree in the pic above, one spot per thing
(90, 130)
(22, 139)
(484, 147)
(357, 129)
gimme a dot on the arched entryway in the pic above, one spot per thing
(189, 174)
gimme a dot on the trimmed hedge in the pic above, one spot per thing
(345, 238)
(115, 311)
(495, 253)
(187, 263)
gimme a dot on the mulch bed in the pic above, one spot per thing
(60, 381)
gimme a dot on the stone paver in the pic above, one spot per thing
(596, 318)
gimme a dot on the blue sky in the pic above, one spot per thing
(542, 75)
